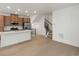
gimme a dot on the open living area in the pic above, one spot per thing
(39, 29)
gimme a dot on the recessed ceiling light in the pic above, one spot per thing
(26, 11)
(18, 9)
(8, 7)
(35, 12)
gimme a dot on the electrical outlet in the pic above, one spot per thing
(61, 36)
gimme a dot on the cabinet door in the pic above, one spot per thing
(20, 20)
(27, 20)
(1, 23)
(14, 18)
(7, 20)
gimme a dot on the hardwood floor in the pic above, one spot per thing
(40, 46)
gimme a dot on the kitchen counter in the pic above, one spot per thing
(13, 37)
(14, 31)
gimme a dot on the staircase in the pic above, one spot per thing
(49, 35)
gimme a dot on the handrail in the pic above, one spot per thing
(48, 22)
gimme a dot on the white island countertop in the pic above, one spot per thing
(15, 31)
(14, 37)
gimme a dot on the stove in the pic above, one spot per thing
(14, 28)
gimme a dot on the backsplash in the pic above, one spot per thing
(7, 28)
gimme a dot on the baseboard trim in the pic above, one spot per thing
(67, 43)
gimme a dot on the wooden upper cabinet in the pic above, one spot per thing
(14, 18)
(7, 20)
(1, 23)
(20, 20)
(27, 20)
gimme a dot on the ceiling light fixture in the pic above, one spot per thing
(35, 12)
(8, 7)
(26, 11)
(18, 9)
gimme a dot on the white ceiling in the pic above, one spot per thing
(41, 8)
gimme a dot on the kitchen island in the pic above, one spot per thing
(13, 37)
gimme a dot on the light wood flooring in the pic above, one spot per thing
(40, 46)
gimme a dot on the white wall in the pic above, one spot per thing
(40, 27)
(37, 22)
(33, 18)
(66, 25)
(49, 17)
(4, 14)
